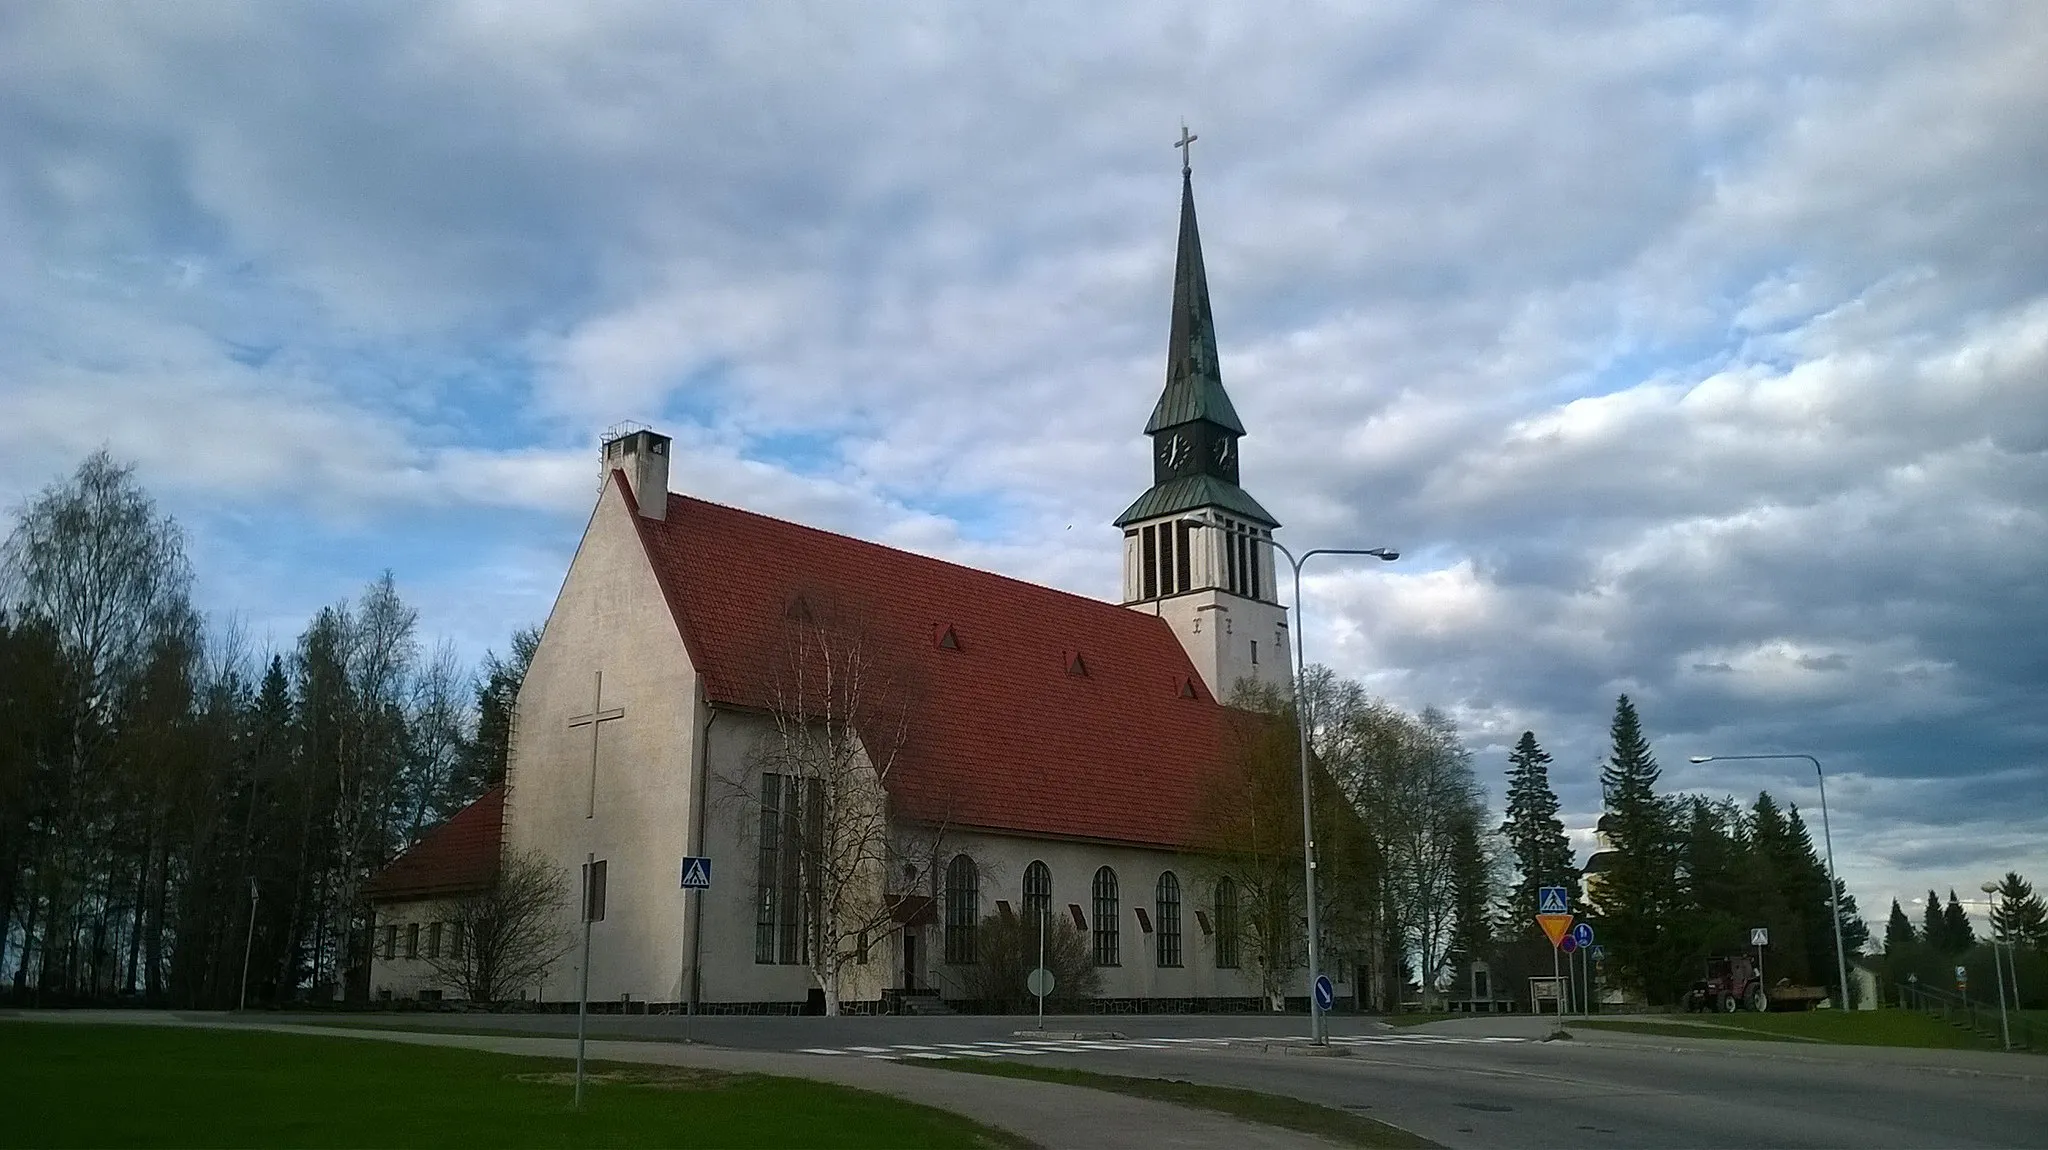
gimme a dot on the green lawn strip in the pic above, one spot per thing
(430, 1026)
(1684, 1030)
(1249, 1105)
(1847, 1028)
(1419, 1018)
(82, 1085)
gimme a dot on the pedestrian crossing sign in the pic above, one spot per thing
(1551, 900)
(696, 872)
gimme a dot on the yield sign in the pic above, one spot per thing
(1554, 925)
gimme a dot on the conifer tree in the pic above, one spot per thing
(1956, 921)
(1934, 927)
(2020, 916)
(1898, 931)
(1638, 888)
(1535, 836)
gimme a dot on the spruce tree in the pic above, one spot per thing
(1535, 835)
(1956, 920)
(1934, 927)
(2020, 916)
(1637, 890)
(1898, 931)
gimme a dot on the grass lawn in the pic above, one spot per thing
(1849, 1028)
(78, 1085)
(1682, 1030)
(1418, 1018)
(1339, 1126)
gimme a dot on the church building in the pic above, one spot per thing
(855, 733)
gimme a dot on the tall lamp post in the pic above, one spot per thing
(2004, 1027)
(1834, 884)
(1318, 1030)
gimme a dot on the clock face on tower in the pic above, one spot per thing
(1175, 452)
(1226, 450)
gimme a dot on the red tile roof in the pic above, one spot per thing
(457, 857)
(1006, 734)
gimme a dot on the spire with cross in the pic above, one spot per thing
(1186, 152)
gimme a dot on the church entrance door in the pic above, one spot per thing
(909, 959)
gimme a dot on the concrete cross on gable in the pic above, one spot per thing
(596, 716)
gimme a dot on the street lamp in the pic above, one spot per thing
(1318, 1030)
(2004, 1027)
(1834, 884)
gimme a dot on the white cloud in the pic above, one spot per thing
(1660, 340)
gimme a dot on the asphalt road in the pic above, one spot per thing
(1596, 1090)
(1578, 1094)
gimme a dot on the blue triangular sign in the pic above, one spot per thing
(696, 873)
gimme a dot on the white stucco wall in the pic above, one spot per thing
(402, 972)
(611, 617)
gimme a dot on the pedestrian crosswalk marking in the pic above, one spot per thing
(1026, 1047)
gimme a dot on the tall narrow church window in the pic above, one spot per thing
(1183, 559)
(1037, 893)
(1108, 917)
(767, 881)
(1166, 586)
(1168, 907)
(1257, 565)
(814, 837)
(1235, 576)
(781, 893)
(1149, 545)
(963, 909)
(1226, 924)
(789, 930)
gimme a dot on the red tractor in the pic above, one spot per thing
(1733, 983)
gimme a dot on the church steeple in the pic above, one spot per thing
(1194, 427)
(1198, 550)
(1194, 383)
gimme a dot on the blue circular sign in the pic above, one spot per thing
(1326, 994)
(1583, 934)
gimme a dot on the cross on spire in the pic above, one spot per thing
(1186, 153)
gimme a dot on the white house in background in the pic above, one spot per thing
(1058, 748)
(457, 858)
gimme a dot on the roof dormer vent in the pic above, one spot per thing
(948, 640)
(1076, 665)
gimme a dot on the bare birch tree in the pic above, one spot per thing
(507, 935)
(839, 720)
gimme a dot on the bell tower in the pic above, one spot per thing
(1196, 546)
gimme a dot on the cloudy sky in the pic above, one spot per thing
(1694, 353)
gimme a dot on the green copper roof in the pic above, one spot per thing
(1194, 383)
(1192, 493)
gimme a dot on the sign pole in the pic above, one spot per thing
(1041, 964)
(1556, 989)
(583, 996)
(690, 913)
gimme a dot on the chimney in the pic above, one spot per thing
(643, 455)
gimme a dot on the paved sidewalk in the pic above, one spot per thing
(1051, 1115)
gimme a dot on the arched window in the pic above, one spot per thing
(1106, 919)
(1168, 906)
(963, 909)
(1226, 924)
(1037, 894)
